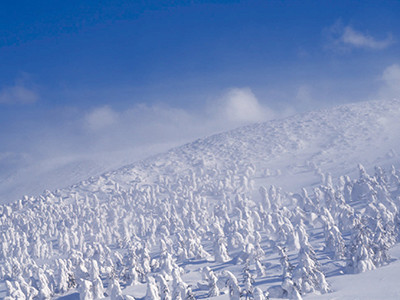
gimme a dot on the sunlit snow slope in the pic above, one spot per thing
(291, 152)
(256, 210)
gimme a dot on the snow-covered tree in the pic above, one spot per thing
(44, 290)
(334, 242)
(290, 289)
(97, 284)
(62, 276)
(165, 292)
(307, 275)
(381, 243)
(360, 255)
(14, 291)
(152, 292)
(287, 267)
(248, 281)
(180, 290)
(85, 290)
(29, 291)
(227, 279)
(220, 251)
(212, 281)
(114, 290)
(265, 198)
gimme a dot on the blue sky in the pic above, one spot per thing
(83, 76)
(83, 53)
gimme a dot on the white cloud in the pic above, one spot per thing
(18, 94)
(240, 105)
(360, 40)
(344, 38)
(390, 82)
(101, 118)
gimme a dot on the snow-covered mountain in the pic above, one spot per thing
(280, 208)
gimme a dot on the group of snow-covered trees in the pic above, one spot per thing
(117, 231)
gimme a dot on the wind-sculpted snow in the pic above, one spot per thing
(209, 219)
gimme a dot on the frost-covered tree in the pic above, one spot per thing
(347, 219)
(220, 250)
(14, 291)
(85, 290)
(167, 265)
(290, 289)
(212, 281)
(287, 234)
(306, 203)
(307, 275)
(334, 242)
(165, 292)
(152, 292)
(227, 279)
(286, 266)
(180, 290)
(363, 188)
(29, 291)
(265, 198)
(248, 281)
(360, 255)
(44, 290)
(114, 290)
(62, 276)
(381, 243)
(97, 284)
(258, 251)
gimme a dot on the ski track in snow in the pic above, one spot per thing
(290, 154)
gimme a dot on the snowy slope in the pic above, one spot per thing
(333, 140)
(201, 205)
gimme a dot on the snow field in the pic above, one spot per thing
(216, 218)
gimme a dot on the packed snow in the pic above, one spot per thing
(303, 207)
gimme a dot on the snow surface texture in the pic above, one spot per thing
(217, 217)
